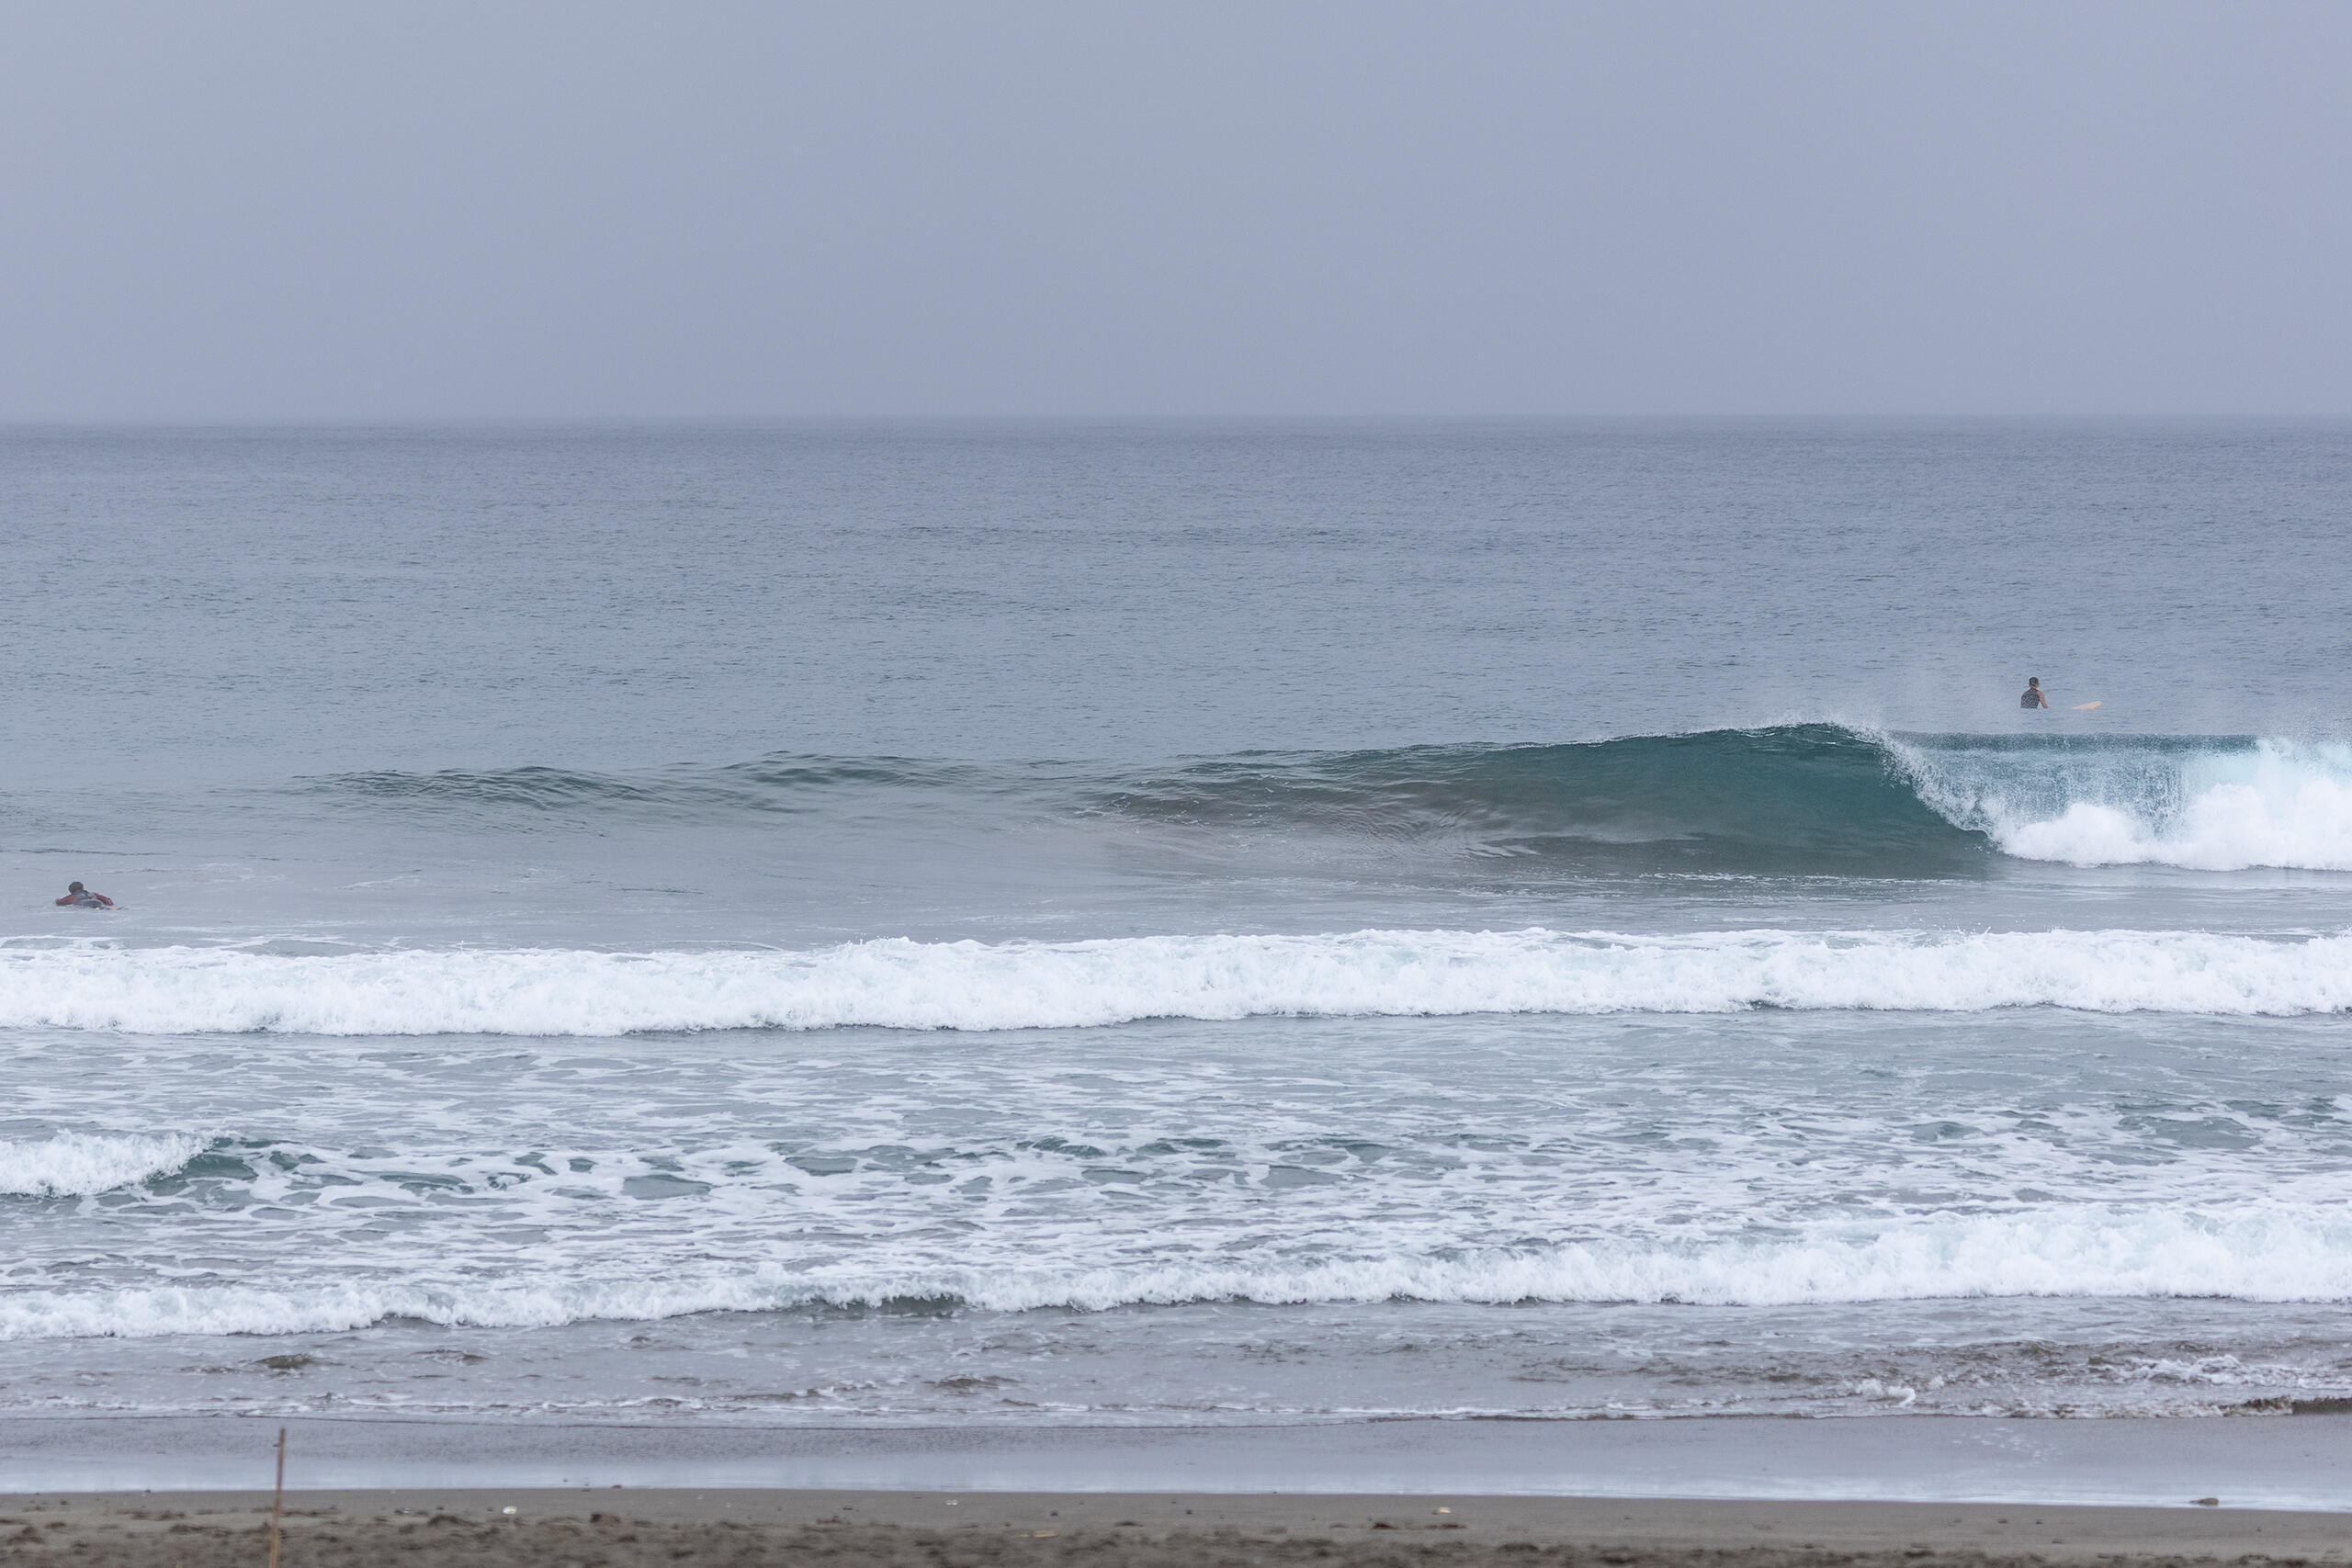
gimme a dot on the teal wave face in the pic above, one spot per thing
(1800, 800)
(1797, 800)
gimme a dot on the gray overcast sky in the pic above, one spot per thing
(230, 211)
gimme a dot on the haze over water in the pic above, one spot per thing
(1177, 923)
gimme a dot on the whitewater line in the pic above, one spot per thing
(2262, 1253)
(899, 984)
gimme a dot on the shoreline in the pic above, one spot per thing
(2284, 1462)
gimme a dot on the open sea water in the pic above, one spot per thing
(1177, 924)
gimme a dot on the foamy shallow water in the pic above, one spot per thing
(1767, 1212)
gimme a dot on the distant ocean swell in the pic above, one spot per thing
(899, 984)
(1801, 799)
(2281, 1254)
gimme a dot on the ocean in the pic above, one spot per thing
(1051, 925)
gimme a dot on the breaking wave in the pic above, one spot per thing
(2203, 806)
(900, 984)
(79, 1164)
(1793, 800)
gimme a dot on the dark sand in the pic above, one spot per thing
(618, 1528)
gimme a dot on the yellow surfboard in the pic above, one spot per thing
(2080, 706)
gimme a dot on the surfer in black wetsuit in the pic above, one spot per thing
(2034, 697)
(80, 897)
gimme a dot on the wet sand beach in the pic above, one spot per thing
(590, 1528)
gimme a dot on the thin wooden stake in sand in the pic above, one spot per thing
(277, 1506)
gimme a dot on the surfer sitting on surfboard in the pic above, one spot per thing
(80, 897)
(2034, 697)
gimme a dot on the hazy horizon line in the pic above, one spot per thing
(415, 420)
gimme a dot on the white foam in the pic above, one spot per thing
(2277, 803)
(974, 986)
(72, 1164)
(2258, 1254)
(2281, 1253)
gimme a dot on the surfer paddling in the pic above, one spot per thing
(80, 897)
(2034, 697)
